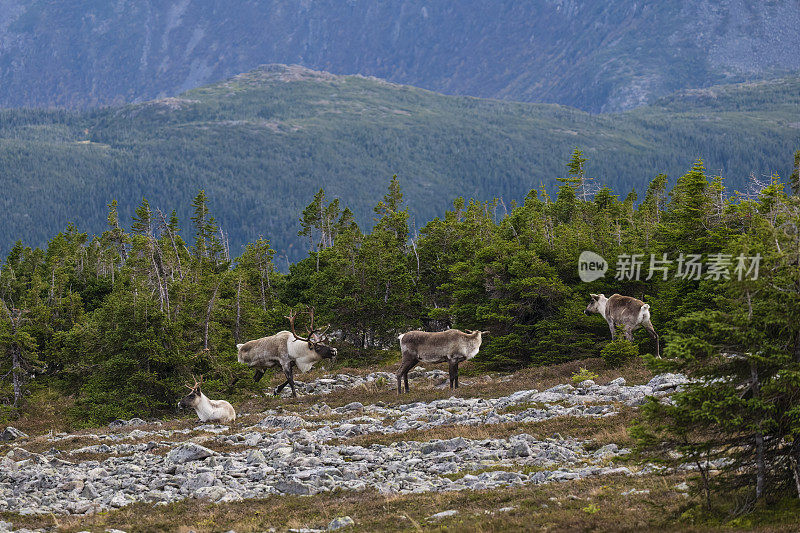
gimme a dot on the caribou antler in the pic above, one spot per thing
(196, 383)
(311, 330)
(292, 315)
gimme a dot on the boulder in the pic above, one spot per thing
(12, 433)
(292, 487)
(339, 523)
(443, 514)
(282, 422)
(188, 452)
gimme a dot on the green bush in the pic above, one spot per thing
(618, 351)
(583, 375)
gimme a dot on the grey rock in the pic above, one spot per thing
(353, 407)
(443, 514)
(255, 457)
(292, 487)
(609, 450)
(204, 479)
(188, 452)
(213, 493)
(283, 422)
(89, 491)
(521, 449)
(12, 433)
(341, 522)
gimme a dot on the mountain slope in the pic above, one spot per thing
(597, 56)
(262, 144)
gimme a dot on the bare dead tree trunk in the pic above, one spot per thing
(759, 437)
(158, 278)
(794, 460)
(263, 294)
(16, 369)
(16, 354)
(171, 234)
(208, 314)
(53, 286)
(226, 251)
(236, 331)
(416, 254)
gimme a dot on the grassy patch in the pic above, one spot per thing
(606, 430)
(520, 469)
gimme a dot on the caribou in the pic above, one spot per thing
(286, 349)
(451, 345)
(624, 311)
(207, 410)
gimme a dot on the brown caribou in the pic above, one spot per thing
(452, 346)
(624, 311)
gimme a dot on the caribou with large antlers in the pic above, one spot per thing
(287, 350)
(207, 410)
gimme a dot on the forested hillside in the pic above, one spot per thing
(597, 56)
(261, 145)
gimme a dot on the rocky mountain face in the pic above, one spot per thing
(598, 56)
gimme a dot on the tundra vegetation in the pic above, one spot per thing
(111, 325)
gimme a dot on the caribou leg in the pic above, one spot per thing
(651, 330)
(258, 375)
(613, 329)
(280, 387)
(402, 374)
(288, 372)
(453, 374)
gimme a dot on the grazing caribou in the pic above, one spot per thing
(624, 311)
(452, 346)
(286, 350)
(207, 410)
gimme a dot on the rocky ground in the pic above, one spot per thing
(312, 450)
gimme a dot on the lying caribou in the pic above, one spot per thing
(624, 311)
(207, 410)
(286, 350)
(452, 346)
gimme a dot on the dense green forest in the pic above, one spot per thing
(120, 320)
(262, 144)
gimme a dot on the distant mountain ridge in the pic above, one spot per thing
(596, 56)
(262, 143)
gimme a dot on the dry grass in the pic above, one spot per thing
(601, 431)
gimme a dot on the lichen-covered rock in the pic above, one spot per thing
(12, 433)
(188, 452)
(341, 522)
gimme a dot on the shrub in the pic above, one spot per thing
(583, 375)
(618, 351)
